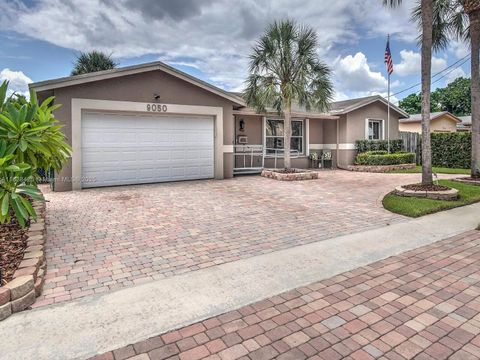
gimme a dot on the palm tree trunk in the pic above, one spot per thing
(427, 40)
(474, 18)
(287, 128)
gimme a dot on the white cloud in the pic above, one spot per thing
(410, 64)
(455, 74)
(18, 81)
(214, 36)
(459, 48)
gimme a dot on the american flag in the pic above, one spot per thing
(388, 58)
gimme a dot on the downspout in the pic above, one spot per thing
(338, 142)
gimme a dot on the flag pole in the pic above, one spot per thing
(388, 106)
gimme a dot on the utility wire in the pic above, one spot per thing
(462, 60)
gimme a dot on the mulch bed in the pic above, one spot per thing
(13, 242)
(288, 171)
(421, 187)
(469, 178)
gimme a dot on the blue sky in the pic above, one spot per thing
(211, 39)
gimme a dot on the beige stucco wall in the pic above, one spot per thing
(141, 88)
(443, 123)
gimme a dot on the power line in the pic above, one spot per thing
(462, 60)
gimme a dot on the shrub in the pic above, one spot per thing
(30, 139)
(452, 150)
(374, 158)
(361, 146)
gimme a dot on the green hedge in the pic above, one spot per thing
(374, 158)
(361, 146)
(452, 150)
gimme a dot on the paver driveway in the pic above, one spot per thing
(107, 238)
(423, 304)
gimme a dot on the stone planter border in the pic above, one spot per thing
(379, 168)
(467, 181)
(301, 175)
(27, 283)
(448, 195)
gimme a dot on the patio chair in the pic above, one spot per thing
(327, 156)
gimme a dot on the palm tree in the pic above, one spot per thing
(461, 19)
(284, 70)
(426, 23)
(91, 62)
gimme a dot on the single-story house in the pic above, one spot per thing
(153, 123)
(466, 124)
(443, 121)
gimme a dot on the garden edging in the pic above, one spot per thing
(379, 168)
(300, 175)
(450, 195)
(27, 283)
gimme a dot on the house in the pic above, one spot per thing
(466, 124)
(153, 123)
(442, 121)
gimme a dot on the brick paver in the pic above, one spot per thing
(422, 304)
(108, 238)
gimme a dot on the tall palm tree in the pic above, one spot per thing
(426, 23)
(91, 62)
(285, 69)
(461, 19)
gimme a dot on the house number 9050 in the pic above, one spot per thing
(156, 107)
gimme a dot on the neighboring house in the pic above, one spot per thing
(466, 124)
(439, 122)
(152, 123)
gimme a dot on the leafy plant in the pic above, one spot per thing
(93, 61)
(361, 146)
(452, 150)
(380, 158)
(15, 187)
(30, 139)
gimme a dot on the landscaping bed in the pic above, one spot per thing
(432, 191)
(289, 174)
(468, 180)
(415, 207)
(381, 161)
(22, 263)
(380, 168)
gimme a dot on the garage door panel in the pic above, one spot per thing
(121, 149)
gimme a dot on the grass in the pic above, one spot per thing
(416, 207)
(438, 170)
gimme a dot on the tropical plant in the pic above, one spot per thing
(284, 70)
(30, 139)
(461, 18)
(91, 62)
(425, 20)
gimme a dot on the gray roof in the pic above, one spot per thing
(466, 120)
(418, 117)
(346, 106)
(135, 69)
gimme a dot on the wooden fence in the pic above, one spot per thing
(412, 142)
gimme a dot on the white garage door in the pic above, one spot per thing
(122, 149)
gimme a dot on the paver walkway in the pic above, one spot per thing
(422, 304)
(108, 238)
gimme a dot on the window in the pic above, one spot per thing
(375, 129)
(274, 134)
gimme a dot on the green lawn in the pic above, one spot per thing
(438, 170)
(415, 207)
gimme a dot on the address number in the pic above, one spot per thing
(157, 107)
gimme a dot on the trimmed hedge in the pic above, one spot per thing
(362, 146)
(452, 150)
(374, 158)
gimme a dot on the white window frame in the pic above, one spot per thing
(266, 119)
(381, 121)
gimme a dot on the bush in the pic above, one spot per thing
(361, 146)
(452, 150)
(382, 158)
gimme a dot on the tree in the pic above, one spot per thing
(425, 19)
(462, 19)
(91, 62)
(285, 69)
(455, 98)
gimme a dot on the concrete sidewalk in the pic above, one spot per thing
(92, 325)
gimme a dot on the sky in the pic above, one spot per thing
(211, 39)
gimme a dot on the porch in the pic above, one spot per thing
(259, 141)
